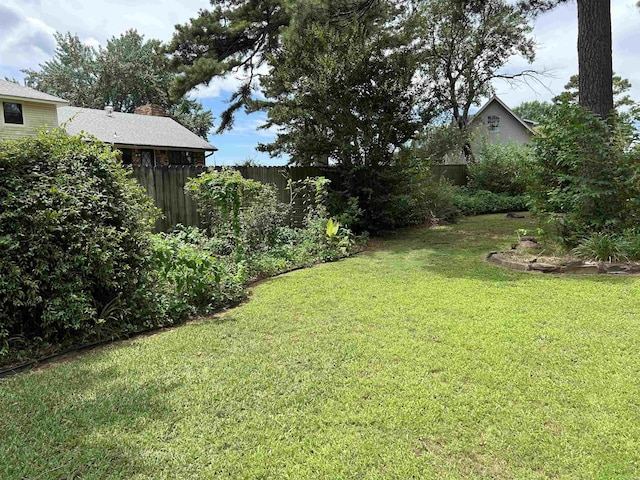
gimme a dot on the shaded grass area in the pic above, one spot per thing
(415, 359)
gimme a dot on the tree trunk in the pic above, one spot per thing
(595, 56)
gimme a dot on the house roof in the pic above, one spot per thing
(503, 105)
(14, 91)
(130, 129)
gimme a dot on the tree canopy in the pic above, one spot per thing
(343, 93)
(458, 48)
(535, 110)
(129, 72)
(621, 87)
(464, 44)
(236, 35)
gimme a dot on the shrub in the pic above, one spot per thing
(479, 202)
(632, 244)
(194, 279)
(403, 194)
(260, 219)
(610, 247)
(586, 174)
(345, 208)
(74, 242)
(323, 237)
(602, 247)
(244, 217)
(501, 168)
(240, 213)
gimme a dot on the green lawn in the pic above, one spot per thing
(414, 360)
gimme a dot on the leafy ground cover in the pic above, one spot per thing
(416, 359)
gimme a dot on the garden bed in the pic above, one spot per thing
(517, 260)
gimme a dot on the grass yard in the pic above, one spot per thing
(416, 359)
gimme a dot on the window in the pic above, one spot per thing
(127, 157)
(13, 113)
(148, 158)
(493, 123)
(177, 157)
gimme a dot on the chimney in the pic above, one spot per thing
(109, 110)
(151, 109)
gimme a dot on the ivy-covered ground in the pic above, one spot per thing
(416, 359)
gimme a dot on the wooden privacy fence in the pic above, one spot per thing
(456, 174)
(165, 185)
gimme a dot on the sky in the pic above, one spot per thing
(27, 28)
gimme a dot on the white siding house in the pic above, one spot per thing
(496, 122)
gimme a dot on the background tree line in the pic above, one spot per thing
(129, 72)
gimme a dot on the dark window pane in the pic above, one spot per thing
(494, 123)
(180, 157)
(13, 113)
(127, 158)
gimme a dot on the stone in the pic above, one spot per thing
(581, 269)
(544, 268)
(528, 244)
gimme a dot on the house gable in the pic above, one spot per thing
(496, 122)
(24, 111)
(35, 115)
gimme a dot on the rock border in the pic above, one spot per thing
(575, 267)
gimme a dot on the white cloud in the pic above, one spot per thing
(26, 43)
(217, 86)
(251, 127)
(92, 42)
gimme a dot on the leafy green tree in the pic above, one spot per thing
(129, 72)
(133, 72)
(343, 94)
(536, 110)
(240, 36)
(71, 74)
(464, 45)
(193, 116)
(621, 87)
(233, 36)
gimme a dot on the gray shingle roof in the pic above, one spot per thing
(130, 129)
(13, 90)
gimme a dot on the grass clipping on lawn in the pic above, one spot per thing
(418, 359)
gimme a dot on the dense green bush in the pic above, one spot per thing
(403, 194)
(240, 213)
(245, 217)
(74, 243)
(585, 176)
(479, 202)
(501, 168)
(610, 247)
(194, 278)
(602, 247)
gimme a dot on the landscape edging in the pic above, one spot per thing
(575, 267)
